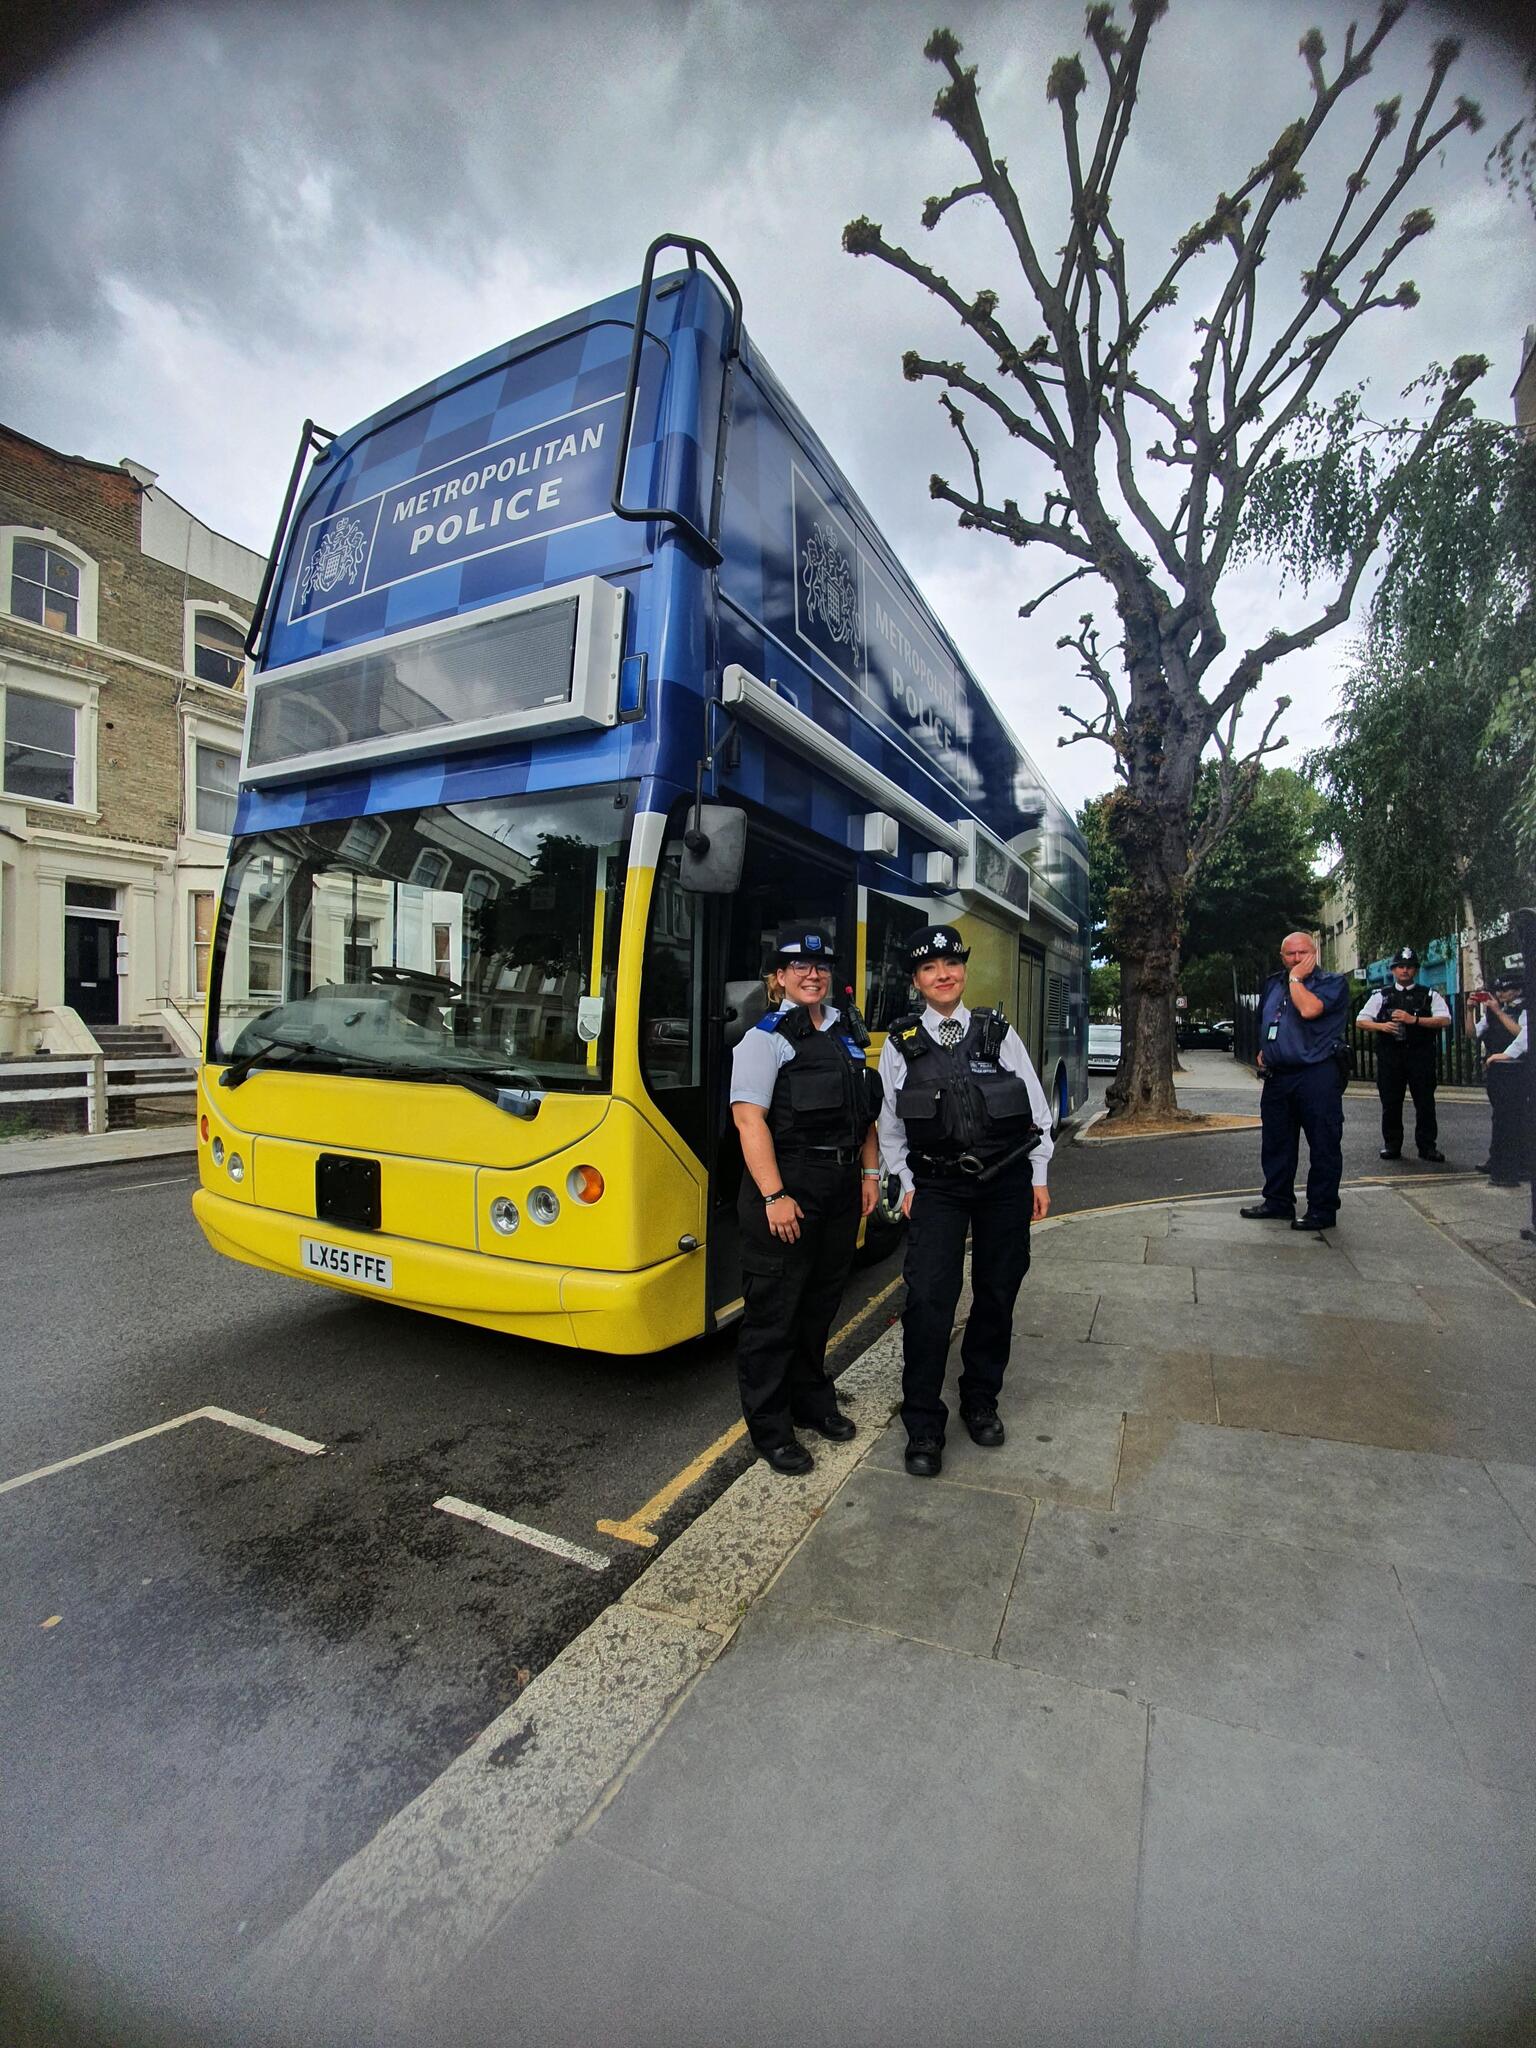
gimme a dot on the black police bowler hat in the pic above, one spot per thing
(936, 942)
(803, 942)
(1510, 981)
(1405, 956)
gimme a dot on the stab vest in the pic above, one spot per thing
(960, 1099)
(1498, 1037)
(1418, 1044)
(827, 1094)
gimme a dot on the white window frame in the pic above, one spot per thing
(82, 698)
(191, 608)
(198, 731)
(46, 536)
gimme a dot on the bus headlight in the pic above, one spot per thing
(218, 1151)
(236, 1166)
(543, 1205)
(504, 1216)
(584, 1184)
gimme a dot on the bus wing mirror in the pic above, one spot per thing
(714, 850)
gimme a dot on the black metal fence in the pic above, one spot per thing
(1458, 1055)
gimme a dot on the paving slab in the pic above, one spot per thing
(602, 1949)
(1285, 1252)
(936, 1563)
(1445, 1264)
(1122, 1377)
(1479, 1637)
(1404, 1507)
(1302, 1897)
(1057, 1449)
(1139, 1282)
(1078, 1242)
(1302, 1336)
(1309, 1644)
(1333, 1290)
(1517, 1485)
(1051, 1312)
(1362, 1398)
(953, 1841)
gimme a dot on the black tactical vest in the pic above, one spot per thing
(959, 1101)
(827, 1094)
(1498, 1037)
(1419, 1043)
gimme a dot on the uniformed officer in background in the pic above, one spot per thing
(1406, 1018)
(804, 1099)
(1497, 1013)
(965, 1127)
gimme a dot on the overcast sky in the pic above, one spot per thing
(221, 218)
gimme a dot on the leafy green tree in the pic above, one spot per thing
(1103, 989)
(1255, 886)
(1057, 380)
(1423, 777)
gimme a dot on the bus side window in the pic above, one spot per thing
(672, 992)
(889, 923)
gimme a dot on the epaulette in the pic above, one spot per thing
(769, 1022)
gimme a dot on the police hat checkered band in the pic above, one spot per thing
(1405, 956)
(936, 942)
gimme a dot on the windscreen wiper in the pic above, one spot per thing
(520, 1100)
(240, 1070)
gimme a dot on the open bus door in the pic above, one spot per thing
(783, 878)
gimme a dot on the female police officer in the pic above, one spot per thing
(804, 1102)
(965, 1126)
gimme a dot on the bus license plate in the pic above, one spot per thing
(339, 1262)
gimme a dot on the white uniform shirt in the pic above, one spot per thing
(758, 1056)
(1484, 1020)
(1372, 1008)
(1515, 1050)
(1013, 1057)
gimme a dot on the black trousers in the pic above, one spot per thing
(1506, 1104)
(997, 1217)
(791, 1292)
(1293, 1100)
(1395, 1075)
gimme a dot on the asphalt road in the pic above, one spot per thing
(230, 1661)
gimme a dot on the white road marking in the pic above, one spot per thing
(227, 1416)
(177, 1180)
(503, 1525)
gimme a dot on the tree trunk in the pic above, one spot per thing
(1149, 822)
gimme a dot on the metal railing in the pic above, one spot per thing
(1458, 1055)
(91, 1084)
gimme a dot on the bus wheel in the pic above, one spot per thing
(1063, 1103)
(885, 1226)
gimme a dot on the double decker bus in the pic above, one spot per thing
(578, 671)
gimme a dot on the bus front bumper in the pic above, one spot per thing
(628, 1313)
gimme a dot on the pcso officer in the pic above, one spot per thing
(965, 1127)
(1498, 1012)
(804, 1100)
(1301, 1058)
(1516, 1063)
(1407, 1018)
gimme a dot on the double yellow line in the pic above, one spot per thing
(640, 1527)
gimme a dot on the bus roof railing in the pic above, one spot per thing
(694, 249)
(313, 440)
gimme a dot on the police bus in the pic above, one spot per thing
(578, 671)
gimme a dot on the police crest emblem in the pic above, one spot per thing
(336, 559)
(832, 592)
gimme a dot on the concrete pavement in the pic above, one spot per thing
(102, 1148)
(1197, 1713)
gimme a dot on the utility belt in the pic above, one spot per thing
(822, 1155)
(966, 1165)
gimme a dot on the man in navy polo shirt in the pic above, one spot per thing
(1301, 1032)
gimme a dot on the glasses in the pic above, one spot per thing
(805, 967)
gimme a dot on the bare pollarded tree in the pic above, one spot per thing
(1161, 521)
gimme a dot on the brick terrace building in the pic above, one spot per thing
(121, 708)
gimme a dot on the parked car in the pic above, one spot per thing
(1193, 1037)
(1103, 1048)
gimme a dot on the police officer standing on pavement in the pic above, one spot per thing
(965, 1127)
(1406, 1018)
(1301, 1040)
(1498, 1013)
(804, 1101)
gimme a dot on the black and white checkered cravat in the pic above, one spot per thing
(949, 1031)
